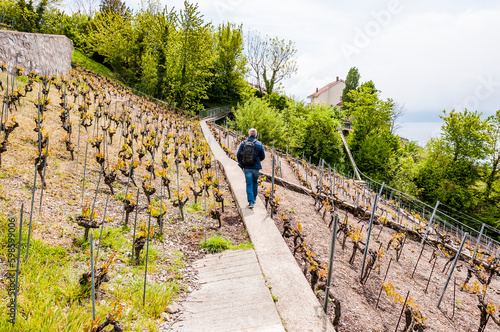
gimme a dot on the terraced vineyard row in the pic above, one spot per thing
(90, 160)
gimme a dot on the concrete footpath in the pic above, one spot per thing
(233, 296)
(297, 305)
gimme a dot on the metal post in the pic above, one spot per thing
(478, 240)
(102, 227)
(402, 310)
(147, 253)
(31, 216)
(92, 274)
(369, 234)
(385, 277)
(332, 251)
(18, 260)
(205, 211)
(452, 268)
(429, 225)
(96, 190)
(272, 187)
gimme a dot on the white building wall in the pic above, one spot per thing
(332, 96)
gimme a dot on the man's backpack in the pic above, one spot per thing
(248, 154)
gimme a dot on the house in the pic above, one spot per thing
(330, 94)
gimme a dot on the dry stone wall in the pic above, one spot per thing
(45, 54)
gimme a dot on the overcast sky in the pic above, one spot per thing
(427, 55)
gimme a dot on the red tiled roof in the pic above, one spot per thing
(323, 89)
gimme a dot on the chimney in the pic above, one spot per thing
(316, 89)
(337, 78)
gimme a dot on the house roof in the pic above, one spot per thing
(325, 88)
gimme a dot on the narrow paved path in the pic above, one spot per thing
(296, 303)
(233, 296)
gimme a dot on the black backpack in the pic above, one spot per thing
(248, 154)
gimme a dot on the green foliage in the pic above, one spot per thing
(351, 83)
(215, 244)
(402, 170)
(465, 136)
(311, 129)
(158, 296)
(256, 113)
(493, 165)
(112, 36)
(117, 6)
(194, 207)
(80, 59)
(228, 81)
(277, 101)
(372, 143)
(318, 134)
(454, 166)
(241, 246)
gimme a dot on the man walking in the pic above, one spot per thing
(250, 154)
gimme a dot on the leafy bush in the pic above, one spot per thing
(256, 113)
(215, 244)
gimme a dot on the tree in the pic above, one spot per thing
(197, 56)
(113, 37)
(86, 7)
(494, 154)
(398, 110)
(229, 67)
(256, 113)
(117, 6)
(271, 60)
(465, 135)
(454, 163)
(256, 54)
(351, 83)
(319, 136)
(371, 143)
(280, 62)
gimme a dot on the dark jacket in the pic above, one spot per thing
(259, 150)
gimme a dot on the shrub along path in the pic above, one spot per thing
(221, 299)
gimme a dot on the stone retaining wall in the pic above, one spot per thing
(45, 54)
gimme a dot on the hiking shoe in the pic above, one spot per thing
(250, 206)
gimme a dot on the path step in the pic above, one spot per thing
(233, 296)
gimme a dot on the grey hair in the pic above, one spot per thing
(252, 132)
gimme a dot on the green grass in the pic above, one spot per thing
(80, 59)
(215, 244)
(158, 296)
(218, 244)
(244, 245)
(121, 195)
(194, 207)
(51, 299)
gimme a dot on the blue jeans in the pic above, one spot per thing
(251, 177)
